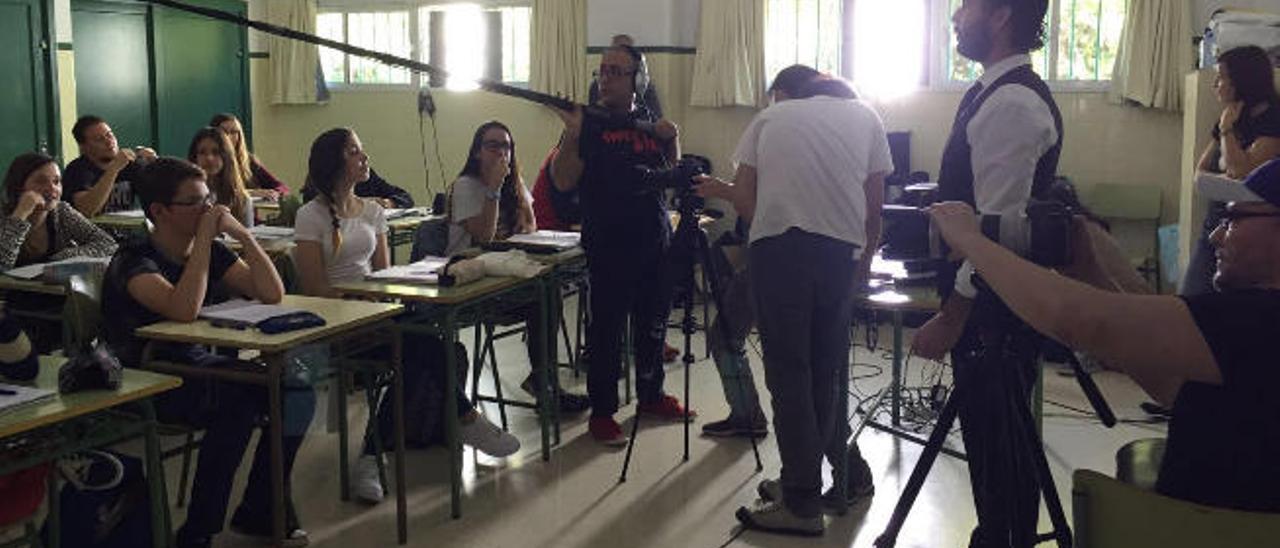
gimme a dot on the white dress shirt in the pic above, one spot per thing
(1011, 131)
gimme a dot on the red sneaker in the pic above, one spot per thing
(667, 408)
(606, 431)
(669, 353)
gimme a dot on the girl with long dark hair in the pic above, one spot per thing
(211, 150)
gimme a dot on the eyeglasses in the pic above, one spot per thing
(496, 146)
(204, 201)
(1231, 217)
(612, 71)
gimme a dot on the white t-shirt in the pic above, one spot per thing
(359, 237)
(468, 198)
(812, 157)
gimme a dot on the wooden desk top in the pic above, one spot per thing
(9, 283)
(114, 220)
(339, 316)
(900, 298)
(410, 222)
(430, 294)
(135, 385)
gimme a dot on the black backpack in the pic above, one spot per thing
(424, 397)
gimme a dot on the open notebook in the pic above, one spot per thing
(545, 239)
(426, 271)
(14, 395)
(59, 269)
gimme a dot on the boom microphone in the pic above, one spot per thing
(610, 119)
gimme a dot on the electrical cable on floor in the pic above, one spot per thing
(734, 537)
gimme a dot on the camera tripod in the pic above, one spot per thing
(1006, 345)
(689, 247)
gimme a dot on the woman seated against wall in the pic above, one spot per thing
(211, 149)
(260, 182)
(1246, 136)
(489, 202)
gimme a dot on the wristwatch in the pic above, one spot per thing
(493, 195)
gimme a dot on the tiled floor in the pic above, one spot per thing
(575, 500)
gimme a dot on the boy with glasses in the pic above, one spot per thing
(169, 275)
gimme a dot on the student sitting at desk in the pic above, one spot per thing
(38, 225)
(211, 150)
(342, 238)
(489, 202)
(260, 182)
(170, 275)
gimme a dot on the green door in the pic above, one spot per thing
(201, 70)
(113, 68)
(26, 93)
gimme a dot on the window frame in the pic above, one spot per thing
(414, 9)
(939, 73)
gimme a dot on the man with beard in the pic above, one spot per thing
(100, 180)
(1003, 149)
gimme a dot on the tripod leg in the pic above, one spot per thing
(631, 444)
(1034, 447)
(931, 449)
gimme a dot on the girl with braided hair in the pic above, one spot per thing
(342, 238)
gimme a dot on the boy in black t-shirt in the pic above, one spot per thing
(1211, 358)
(101, 180)
(170, 275)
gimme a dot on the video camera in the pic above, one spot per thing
(1042, 234)
(680, 179)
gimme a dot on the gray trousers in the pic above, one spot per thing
(803, 296)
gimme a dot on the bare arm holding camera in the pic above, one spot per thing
(1104, 324)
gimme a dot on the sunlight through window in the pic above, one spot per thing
(889, 46)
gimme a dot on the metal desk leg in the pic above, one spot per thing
(895, 383)
(546, 395)
(54, 520)
(344, 437)
(275, 366)
(397, 387)
(160, 524)
(554, 314)
(451, 413)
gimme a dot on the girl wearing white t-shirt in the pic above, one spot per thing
(341, 238)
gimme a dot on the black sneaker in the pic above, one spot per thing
(571, 403)
(254, 524)
(731, 427)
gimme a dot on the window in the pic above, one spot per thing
(803, 31)
(891, 46)
(1081, 41)
(468, 40)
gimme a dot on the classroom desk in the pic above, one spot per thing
(401, 230)
(53, 428)
(442, 311)
(345, 320)
(119, 224)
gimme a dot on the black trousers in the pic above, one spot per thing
(995, 372)
(626, 280)
(229, 413)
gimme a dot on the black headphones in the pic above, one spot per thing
(640, 78)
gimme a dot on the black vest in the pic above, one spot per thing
(955, 180)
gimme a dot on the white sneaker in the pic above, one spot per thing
(365, 484)
(488, 438)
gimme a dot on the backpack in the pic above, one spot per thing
(424, 397)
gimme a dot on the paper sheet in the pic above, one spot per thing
(426, 271)
(548, 238)
(244, 311)
(33, 271)
(14, 395)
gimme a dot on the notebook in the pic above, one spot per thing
(14, 395)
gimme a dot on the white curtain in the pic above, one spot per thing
(558, 53)
(729, 67)
(1155, 52)
(294, 64)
